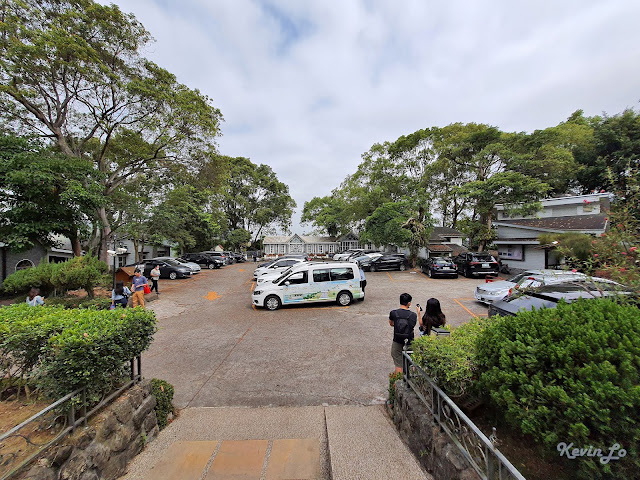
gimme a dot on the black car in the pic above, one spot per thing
(168, 268)
(219, 255)
(203, 259)
(476, 263)
(386, 262)
(239, 257)
(439, 266)
(548, 296)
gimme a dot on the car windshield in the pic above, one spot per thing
(483, 258)
(362, 257)
(441, 261)
(284, 274)
(517, 278)
(172, 262)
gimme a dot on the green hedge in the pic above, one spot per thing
(163, 391)
(569, 374)
(96, 303)
(61, 350)
(450, 360)
(80, 272)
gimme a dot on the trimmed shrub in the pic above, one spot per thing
(569, 374)
(62, 350)
(80, 272)
(163, 391)
(39, 276)
(96, 303)
(450, 361)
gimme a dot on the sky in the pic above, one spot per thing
(307, 87)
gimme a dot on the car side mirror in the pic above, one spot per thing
(287, 283)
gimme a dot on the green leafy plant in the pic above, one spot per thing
(569, 374)
(96, 303)
(61, 350)
(393, 378)
(163, 391)
(450, 360)
(39, 276)
(80, 272)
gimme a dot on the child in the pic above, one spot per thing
(34, 299)
(120, 295)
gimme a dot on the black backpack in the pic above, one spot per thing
(402, 327)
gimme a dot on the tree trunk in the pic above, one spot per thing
(75, 244)
(105, 236)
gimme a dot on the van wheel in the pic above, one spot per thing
(344, 298)
(272, 303)
(402, 267)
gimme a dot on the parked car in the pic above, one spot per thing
(239, 257)
(367, 257)
(203, 259)
(494, 291)
(342, 256)
(279, 265)
(386, 262)
(195, 268)
(269, 262)
(168, 268)
(218, 255)
(476, 263)
(439, 266)
(309, 283)
(548, 296)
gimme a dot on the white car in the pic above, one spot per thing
(310, 282)
(278, 266)
(342, 256)
(494, 291)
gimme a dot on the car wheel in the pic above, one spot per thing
(403, 267)
(429, 273)
(211, 266)
(344, 298)
(372, 268)
(173, 275)
(272, 303)
(467, 272)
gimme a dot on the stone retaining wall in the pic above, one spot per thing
(433, 448)
(104, 448)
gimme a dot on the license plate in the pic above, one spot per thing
(485, 265)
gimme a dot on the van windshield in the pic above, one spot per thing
(284, 274)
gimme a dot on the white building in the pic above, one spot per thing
(518, 242)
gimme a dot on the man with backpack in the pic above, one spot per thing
(403, 321)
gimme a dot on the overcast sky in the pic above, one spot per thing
(308, 86)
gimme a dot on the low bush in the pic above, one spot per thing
(569, 374)
(450, 360)
(39, 276)
(163, 391)
(393, 378)
(95, 303)
(62, 350)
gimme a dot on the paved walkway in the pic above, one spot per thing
(339, 443)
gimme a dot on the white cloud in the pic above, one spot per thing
(307, 87)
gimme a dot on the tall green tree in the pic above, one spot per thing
(254, 199)
(72, 71)
(43, 193)
(327, 214)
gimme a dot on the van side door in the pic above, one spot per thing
(295, 287)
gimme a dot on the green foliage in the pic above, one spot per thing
(575, 247)
(238, 239)
(62, 350)
(40, 276)
(569, 374)
(384, 226)
(95, 303)
(79, 272)
(328, 214)
(163, 391)
(451, 361)
(393, 378)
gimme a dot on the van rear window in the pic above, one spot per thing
(321, 276)
(341, 274)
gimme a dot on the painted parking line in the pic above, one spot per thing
(468, 311)
(390, 277)
(212, 296)
(253, 285)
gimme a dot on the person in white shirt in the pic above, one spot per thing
(155, 276)
(34, 299)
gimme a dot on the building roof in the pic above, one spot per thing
(305, 238)
(440, 234)
(439, 248)
(570, 223)
(456, 249)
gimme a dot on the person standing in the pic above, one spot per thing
(433, 316)
(403, 321)
(139, 281)
(34, 299)
(155, 276)
(120, 295)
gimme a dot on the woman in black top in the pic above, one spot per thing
(433, 316)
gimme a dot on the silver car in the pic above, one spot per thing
(493, 291)
(194, 267)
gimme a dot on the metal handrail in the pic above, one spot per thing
(494, 465)
(136, 377)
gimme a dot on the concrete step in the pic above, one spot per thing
(364, 443)
(239, 459)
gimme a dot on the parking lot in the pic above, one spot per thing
(219, 350)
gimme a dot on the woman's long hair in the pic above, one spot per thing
(119, 288)
(433, 316)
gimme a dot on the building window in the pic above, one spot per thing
(282, 248)
(122, 260)
(24, 264)
(332, 248)
(320, 248)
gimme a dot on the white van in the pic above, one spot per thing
(311, 282)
